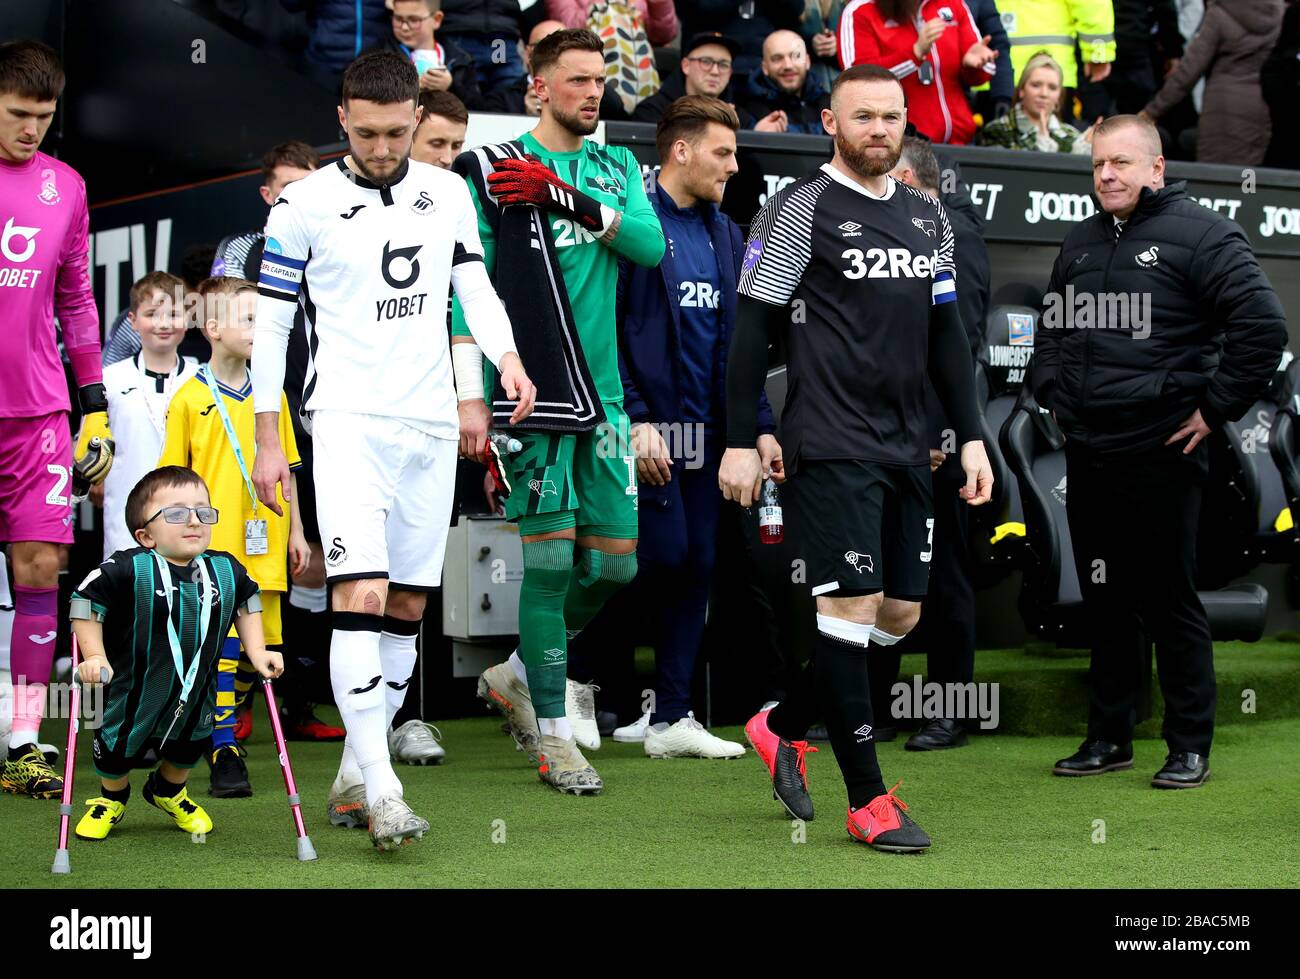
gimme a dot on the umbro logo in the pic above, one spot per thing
(554, 655)
(863, 733)
(851, 229)
(337, 553)
(859, 562)
(351, 214)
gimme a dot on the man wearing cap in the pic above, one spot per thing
(707, 60)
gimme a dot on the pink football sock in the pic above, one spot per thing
(32, 656)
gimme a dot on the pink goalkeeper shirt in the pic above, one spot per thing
(44, 272)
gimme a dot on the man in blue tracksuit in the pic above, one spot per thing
(675, 325)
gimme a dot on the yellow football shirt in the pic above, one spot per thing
(196, 438)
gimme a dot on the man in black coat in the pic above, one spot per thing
(783, 94)
(1158, 326)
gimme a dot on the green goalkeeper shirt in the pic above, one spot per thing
(612, 176)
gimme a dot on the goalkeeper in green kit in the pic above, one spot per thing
(556, 211)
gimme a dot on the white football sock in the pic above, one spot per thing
(397, 655)
(356, 674)
(556, 727)
(517, 665)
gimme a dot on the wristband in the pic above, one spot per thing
(467, 367)
(93, 398)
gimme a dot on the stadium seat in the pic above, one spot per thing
(998, 527)
(1051, 601)
(1247, 519)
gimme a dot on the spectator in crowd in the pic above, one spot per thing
(1057, 26)
(659, 16)
(1235, 125)
(947, 627)
(1135, 73)
(675, 323)
(441, 134)
(750, 22)
(490, 30)
(1280, 81)
(783, 96)
(520, 97)
(933, 48)
(1136, 417)
(993, 98)
(705, 70)
(443, 67)
(820, 26)
(1032, 123)
(338, 31)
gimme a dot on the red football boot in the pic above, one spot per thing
(884, 824)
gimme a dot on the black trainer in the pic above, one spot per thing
(229, 778)
(1096, 757)
(790, 780)
(937, 735)
(1182, 770)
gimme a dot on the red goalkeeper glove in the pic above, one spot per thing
(530, 181)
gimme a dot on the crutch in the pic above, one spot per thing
(305, 850)
(61, 865)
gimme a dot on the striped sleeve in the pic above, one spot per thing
(780, 243)
(944, 289)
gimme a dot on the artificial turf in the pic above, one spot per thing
(998, 818)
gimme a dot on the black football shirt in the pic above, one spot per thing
(861, 274)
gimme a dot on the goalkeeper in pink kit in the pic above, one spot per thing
(44, 244)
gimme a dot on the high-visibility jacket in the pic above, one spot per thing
(1053, 26)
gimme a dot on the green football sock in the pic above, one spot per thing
(593, 580)
(547, 567)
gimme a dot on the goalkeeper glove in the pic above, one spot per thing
(93, 467)
(530, 181)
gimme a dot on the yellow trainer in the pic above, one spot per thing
(101, 816)
(189, 816)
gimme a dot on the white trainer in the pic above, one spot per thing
(633, 733)
(392, 824)
(580, 708)
(347, 808)
(562, 767)
(688, 738)
(500, 688)
(416, 743)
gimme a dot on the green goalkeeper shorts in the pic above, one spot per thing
(585, 480)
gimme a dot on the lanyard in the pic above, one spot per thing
(205, 608)
(159, 424)
(206, 373)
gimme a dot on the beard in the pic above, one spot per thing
(575, 123)
(865, 165)
(370, 175)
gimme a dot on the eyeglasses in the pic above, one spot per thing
(709, 64)
(181, 514)
(410, 21)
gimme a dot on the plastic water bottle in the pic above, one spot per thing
(505, 444)
(771, 525)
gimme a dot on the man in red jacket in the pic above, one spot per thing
(932, 47)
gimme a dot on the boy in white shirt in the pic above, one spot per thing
(139, 390)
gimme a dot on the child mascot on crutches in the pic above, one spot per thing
(150, 622)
